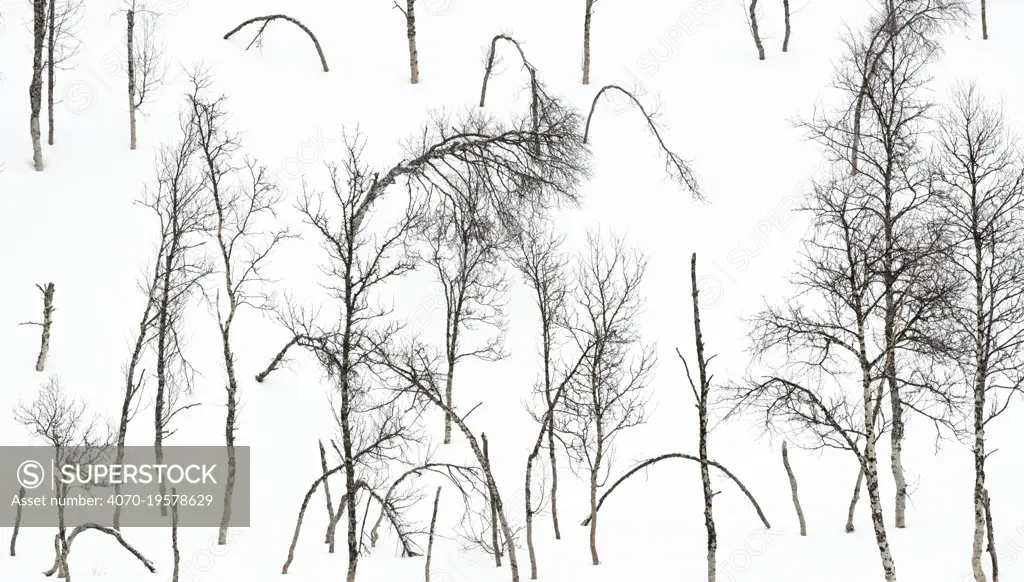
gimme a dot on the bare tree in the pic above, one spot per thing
(537, 258)
(793, 488)
(678, 169)
(410, 33)
(414, 369)
(35, 88)
(183, 211)
(63, 20)
(789, 29)
(822, 333)
(63, 423)
(701, 393)
(265, 20)
(752, 22)
(465, 251)
(245, 202)
(587, 17)
(494, 513)
(884, 73)
(359, 261)
(854, 499)
(46, 323)
(145, 61)
(981, 170)
(609, 394)
(134, 377)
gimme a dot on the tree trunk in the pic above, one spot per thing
(327, 491)
(62, 556)
(414, 59)
(754, 29)
(853, 501)
(229, 428)
(702, 413)
(869, 463)
(278, 358)
(980, 522)
(793, 488)
(35, 88)
(593, 495)
(449, 379)
(586, 41)
(494, 514)
(554, 477)
(984, 21)
(44, 347)
(991, 538)
(130, 39)
(785, 41)
(51, 49)
(17, 522)
(430, 539)
(174, 535)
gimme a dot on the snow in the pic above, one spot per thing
(76, 224)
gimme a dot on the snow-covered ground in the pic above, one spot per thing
(75, 224)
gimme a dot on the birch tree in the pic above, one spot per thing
(464, 250)
(884, 74)
(182, 208)
(245, 203)
(409, 12)
(588, 16)
(64, 424)
(144, 62)
(609, 394)
(64, 18)
(537, 257)
(814, 345)
(981, 169)
(35, 88)
(702, 394)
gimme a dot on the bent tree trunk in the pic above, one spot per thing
(270, 18)
(754, 30)
(62, 559)
(853, 501)
(793, 488)
(643, 465)
(17, 521)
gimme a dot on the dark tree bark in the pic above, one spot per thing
(17, 522)
(35, 88)
(174, 536)
(854, 499)
(793, 488)
(701, 393)
(268, 19)
(984, 21)
(789, 29)
(51, 65)
(991, 538)
(754, 30)
(494, 512)
(430, 539)
(677, 168)
(588, 15)
(327, 491)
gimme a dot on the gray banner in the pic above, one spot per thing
(87, 484)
